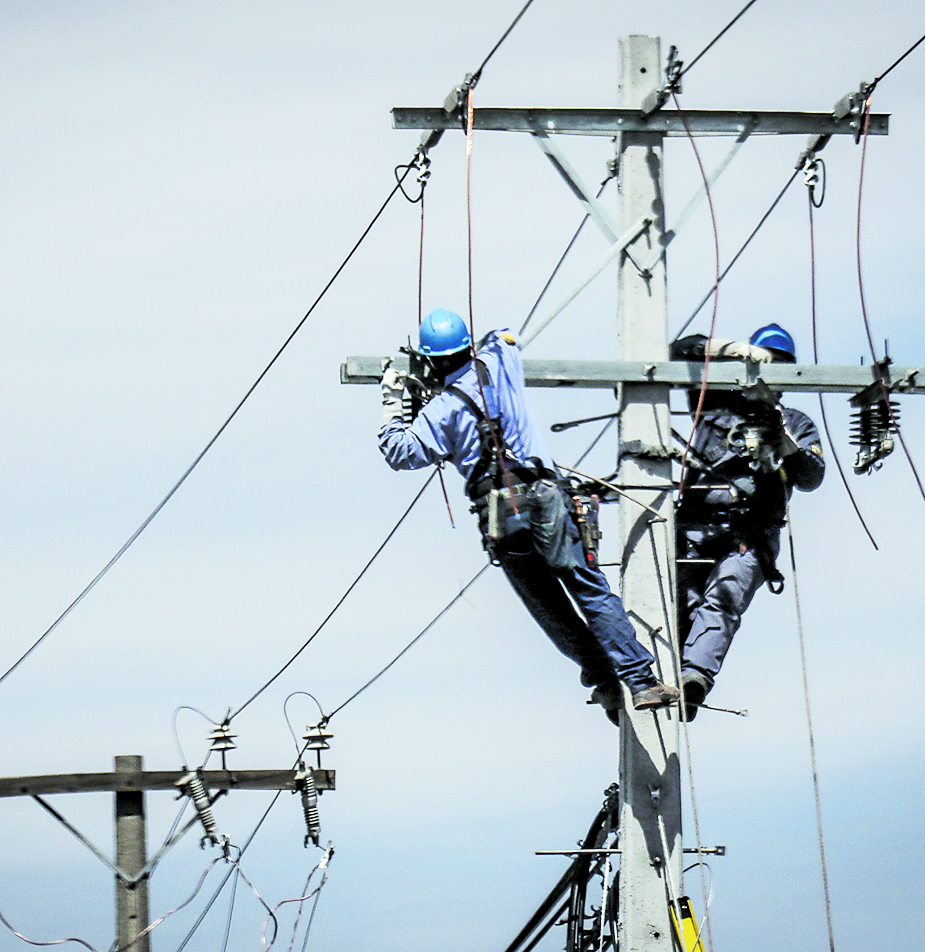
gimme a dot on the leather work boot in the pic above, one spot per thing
(608, 696)
(695, 687)
(655, 695)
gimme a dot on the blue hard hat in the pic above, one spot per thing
(443, 333)
(774, 337)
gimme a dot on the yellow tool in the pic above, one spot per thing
(687, 932)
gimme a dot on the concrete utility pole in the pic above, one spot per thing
(650, 808)
(650, 796)
(131, 856)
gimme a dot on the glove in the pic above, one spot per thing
(393, 390)
(736, 349)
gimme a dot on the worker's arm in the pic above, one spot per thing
(804, 464)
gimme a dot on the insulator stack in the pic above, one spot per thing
(195, 789)
(872, 429)
(221, 737)
(316, 739)
(305, 784)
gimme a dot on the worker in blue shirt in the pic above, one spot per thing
(502, 456)
(747, 456)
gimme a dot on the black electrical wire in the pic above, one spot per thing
(414, 640)
(561, 260)
(477, 74)
(195, 927)
(717, 37)
(890, 69)
(343, 597)
(738, 254)
(144, 525)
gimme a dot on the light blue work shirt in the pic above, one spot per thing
(446, 429)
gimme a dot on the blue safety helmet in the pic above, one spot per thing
(443, 333)
(774, 337)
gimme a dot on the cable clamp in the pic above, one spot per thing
(853, 104)
(658, 97)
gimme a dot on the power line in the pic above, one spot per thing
(154, 512)
(414, 640)
(343, 597)
(477, 74)
(718, 36)
(738, 254)
(890, 69)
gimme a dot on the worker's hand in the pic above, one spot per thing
(393, 389)
(738, 350)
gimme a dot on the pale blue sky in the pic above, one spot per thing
(179, 182)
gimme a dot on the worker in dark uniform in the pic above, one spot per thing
(746, 457)
(534, 539)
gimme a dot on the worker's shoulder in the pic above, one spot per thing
(498, 337)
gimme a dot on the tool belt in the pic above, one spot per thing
(718, 538)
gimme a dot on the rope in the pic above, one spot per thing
(154, 512)
(812, 742)
(870, 340)
(718, 36)
(825, 422)
(342, 599)
(738, 254)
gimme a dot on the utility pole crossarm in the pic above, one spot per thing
(687, 375)
(666, 122)
(123, 782)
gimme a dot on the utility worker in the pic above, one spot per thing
(534, 539)
(745, 459)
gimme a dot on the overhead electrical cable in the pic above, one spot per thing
(561, 260)
(706, 353)
(195, 927)
(414, 640)
(718, 36)
(812, 742)
(738, 254)
(477, 74)
(825, 422)
(870, 340)
(890, 69)
(154, 512)
(342, 599)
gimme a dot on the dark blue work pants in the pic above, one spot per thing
(603, 642)
(714, 598)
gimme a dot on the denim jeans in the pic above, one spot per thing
(597, 636)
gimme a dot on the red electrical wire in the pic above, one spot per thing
(706, 354)
(446, 496)
(870, 340)
(470, 113)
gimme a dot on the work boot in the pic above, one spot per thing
(609, 698)
(655, 695)
(695, 687)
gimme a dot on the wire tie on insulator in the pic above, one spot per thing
(193, 786)
(305, 784)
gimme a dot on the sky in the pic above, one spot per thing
(180, 181)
